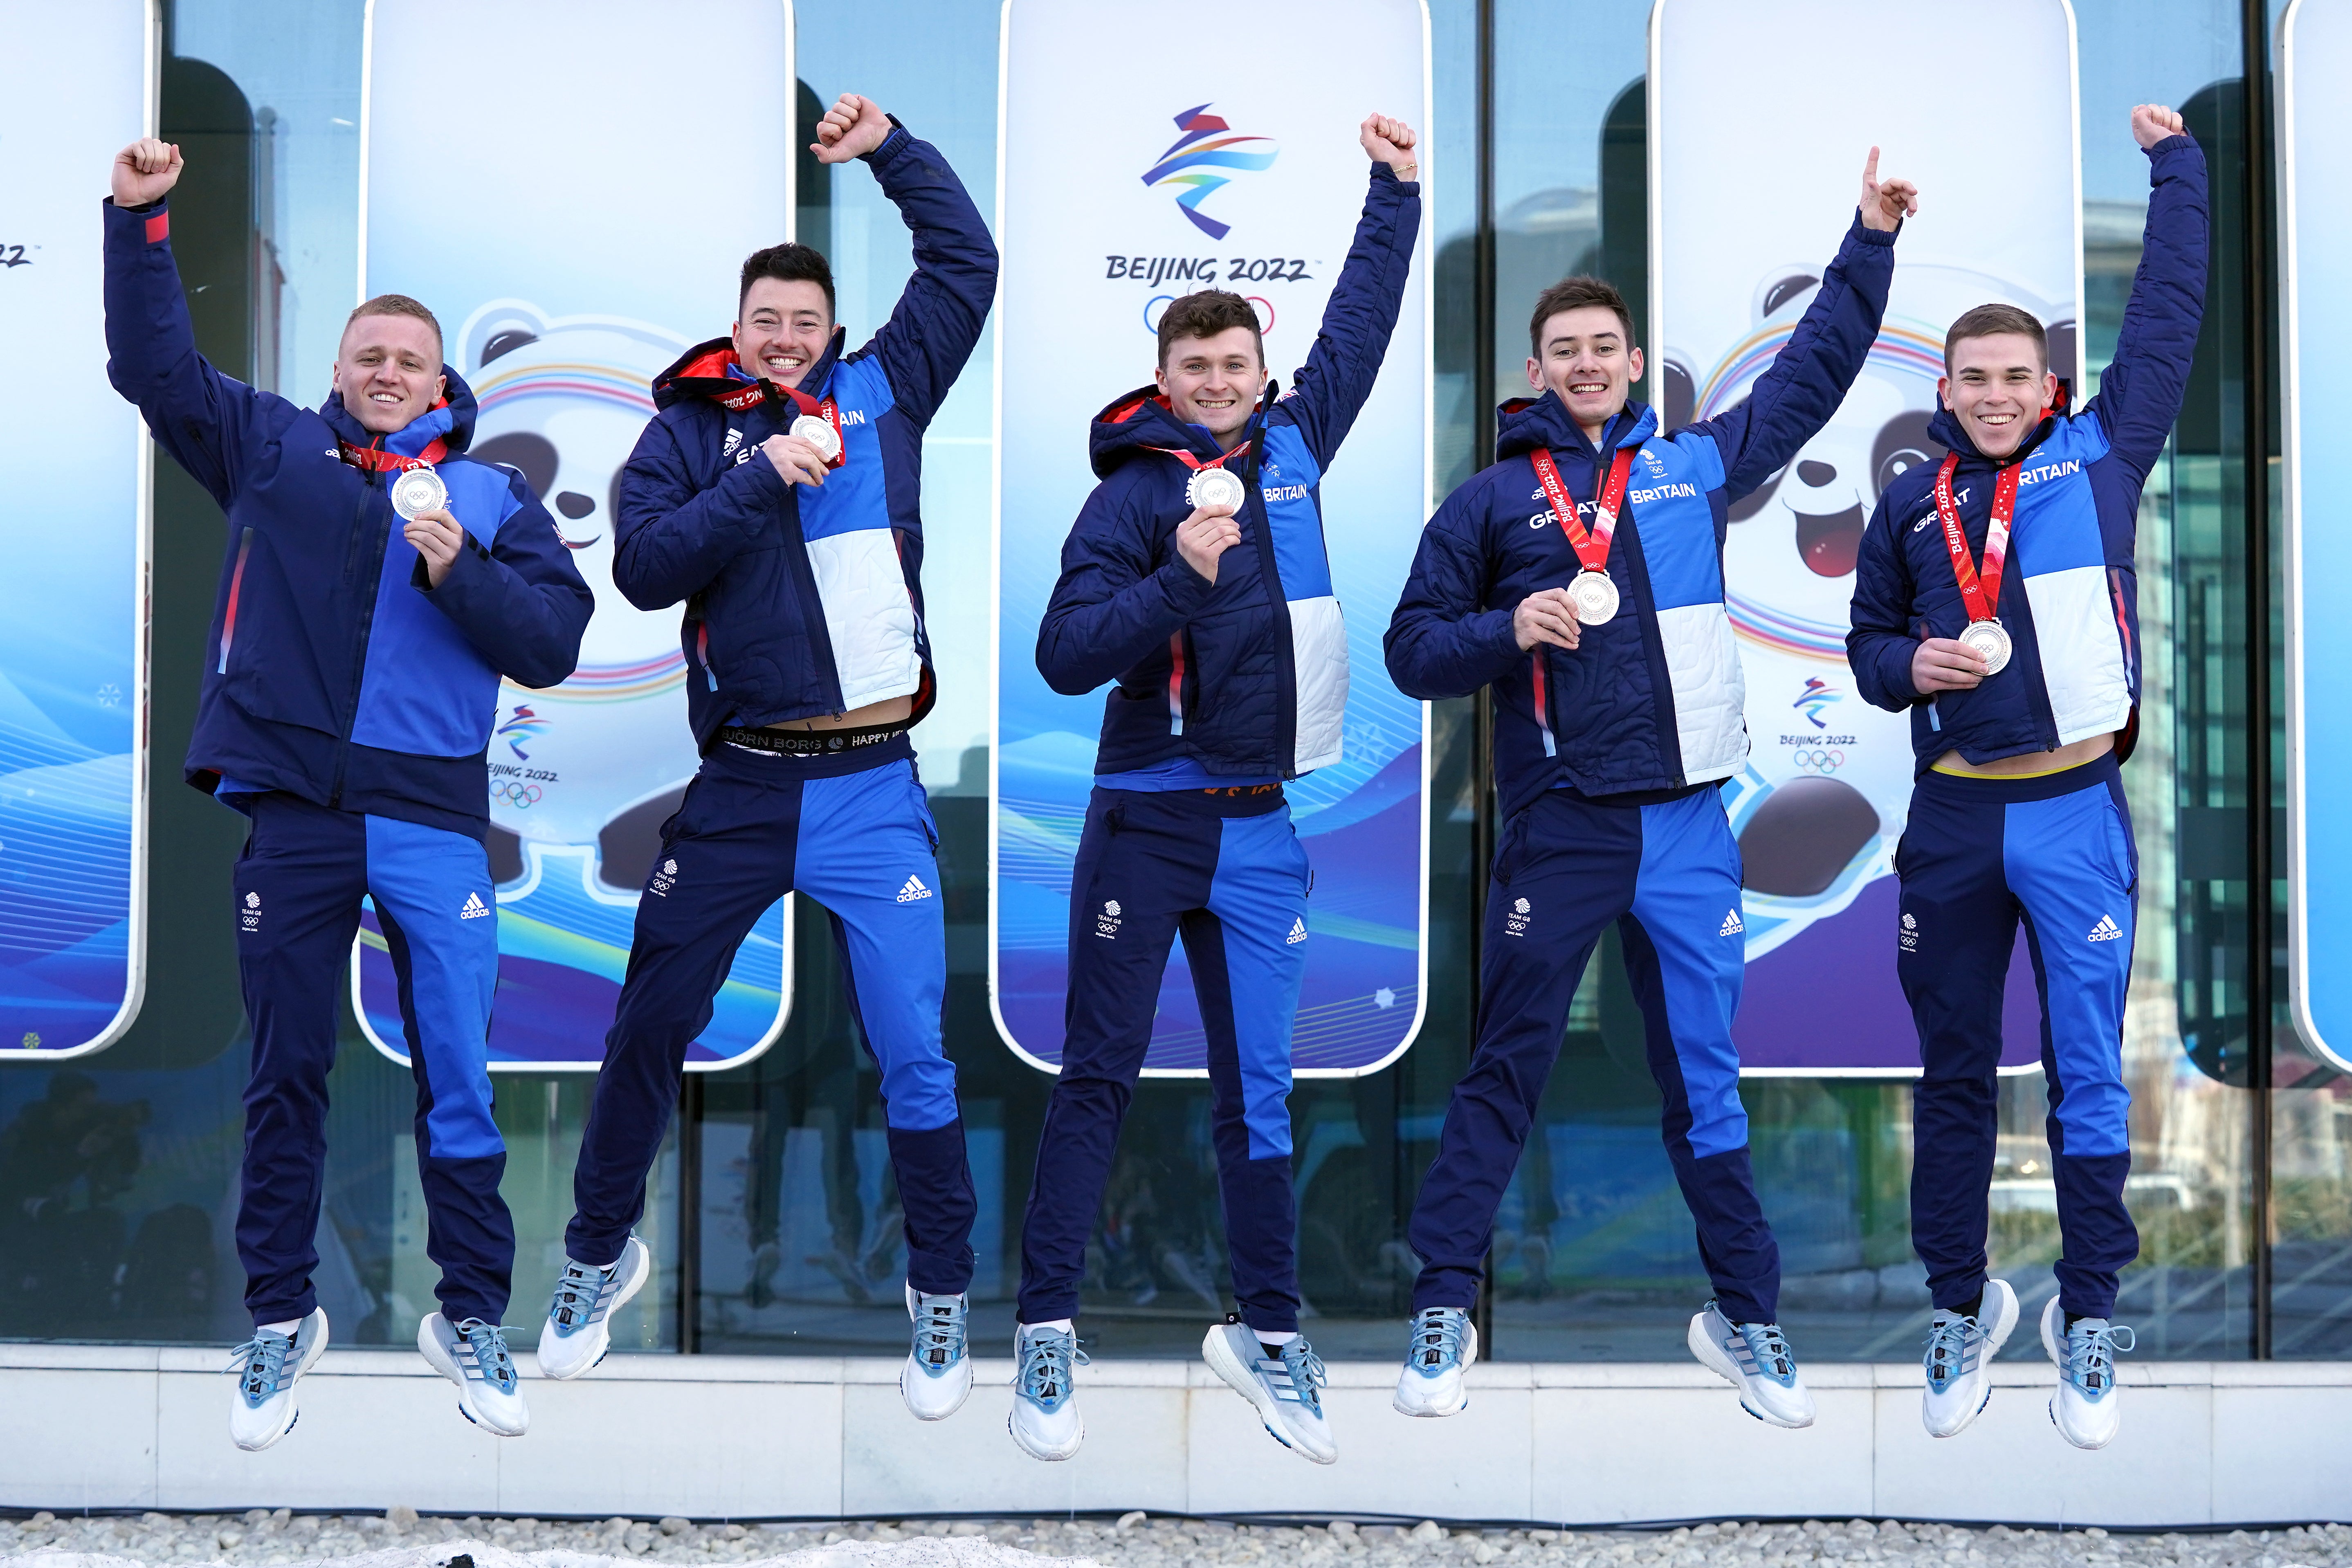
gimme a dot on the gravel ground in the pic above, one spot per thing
(399, 1539)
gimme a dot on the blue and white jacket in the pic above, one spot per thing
(2069, 592)
(1652, 702)
(334, 671)
(1246, 676)
(802, 600)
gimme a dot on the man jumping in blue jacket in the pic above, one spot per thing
(2023, 683)
(777, 492)
(1581, 576)
(1196, 577)
(351, 682)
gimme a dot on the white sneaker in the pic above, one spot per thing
(1286, 1388)
(473, 1355)
(1444, 1346)
(1045, 1419)
(937, 1377)
(2084, 1407)
(1959, 1359)
(267, 1367)
(1755, 1359)
(579, 1328)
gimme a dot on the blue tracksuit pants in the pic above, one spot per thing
(1669, 874)
(298, 886)
(1979, 854)
(1224, 870)
(855, 834)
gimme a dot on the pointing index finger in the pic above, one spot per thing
(1870, 168)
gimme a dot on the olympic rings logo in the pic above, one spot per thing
(1818, 760)
(1159, 303)
(522, 797)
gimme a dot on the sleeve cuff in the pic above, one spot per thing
(1868, 236)
(898, 142)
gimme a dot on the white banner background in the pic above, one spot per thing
(576, 223)
(78, 83)
(1760, 118)
(1090, 96)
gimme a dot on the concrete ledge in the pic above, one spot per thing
(820, 1437)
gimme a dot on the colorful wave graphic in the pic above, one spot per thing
(1187, 159)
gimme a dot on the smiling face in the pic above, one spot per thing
(1582, 355)
(388, 371)
(786, 327)
(1998, 387)
(1214, 382)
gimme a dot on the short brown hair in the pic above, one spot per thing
(1576, 294)
(1995, 321)
(397, 305)
(1204, 315)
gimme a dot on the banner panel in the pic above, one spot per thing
(1099, 231)
(77, 85)
(1741, 225)
(574, 234)
(2315, 180)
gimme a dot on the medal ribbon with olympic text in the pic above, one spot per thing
(377, 460)
(1979, 592)
(1592, 549)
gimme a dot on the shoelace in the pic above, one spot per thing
(488, 1361)
(1045, 1363)
(259, 1365)
(1437, 1336)
(1769, 1349)
(1298, 1374)
(938, 1333)
(1948, 1348)
(2091, 1357)
(579, 1296)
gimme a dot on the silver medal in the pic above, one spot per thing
(819, 433)
(1214, 489)
(1989, 639)
(1594, 595)
(418, 490)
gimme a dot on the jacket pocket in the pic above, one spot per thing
(285, 655)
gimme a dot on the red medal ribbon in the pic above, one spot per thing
(1592, 549)
(1190, 461)
(377, 460)
(1979, 592)
(827, 411)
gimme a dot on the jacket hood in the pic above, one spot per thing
(1141, 421)
(451, 420)
(1524, 423)
(1945, 429)
(710, 370)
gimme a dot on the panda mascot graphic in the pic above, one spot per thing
(1822, 803)
(584, 775)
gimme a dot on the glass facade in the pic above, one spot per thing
(774, 1216)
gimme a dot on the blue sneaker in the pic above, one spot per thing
(1286, 1388)
(473, 1355)
(938, 1374)
(1045, 1419)
(267, 1367)
(2083, 1409)
(1444, 1346)
(1959, 1359)
(579, 1328)
(1755, 1359)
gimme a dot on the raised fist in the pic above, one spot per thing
(852, 127)
(1886, 203)
(1390, 141)
(144, 170)
(2152, 122)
